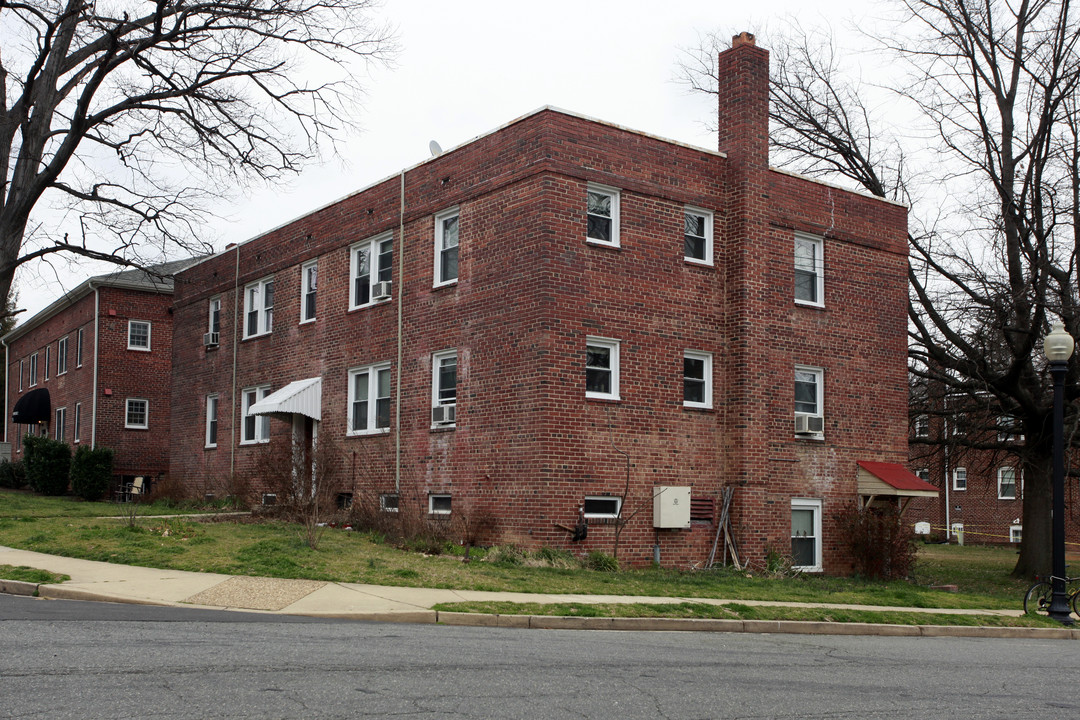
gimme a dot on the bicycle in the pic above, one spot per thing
(1037, 598)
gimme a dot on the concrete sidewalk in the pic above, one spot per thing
(91, 580)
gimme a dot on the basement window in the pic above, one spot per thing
(388, 502)
(602, 507)
(439, 504)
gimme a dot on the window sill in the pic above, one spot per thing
(136, 427)
(254, 442)
(138, 349)
(367, 305)
(810, 305)
(367, 433)
(601, 243)
(603, 398)
(448, 283)
(704, 264)
(255, 337)
(309, 321)
(443, 428)
(209, 447)
(699, 408)
(811, 438)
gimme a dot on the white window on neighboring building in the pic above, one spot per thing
(1016, 533)
(922, 426)
(602, 208)
(213, 312)
(77, 429)
(78, 348)
(1009, 429)
(61, 422)
(697, 379)
(371, 265)
(138, 335)
(809, 270)
(698, 236)
(602, 368)
(369, 399)
(806, 534)
(212, 404)
(61, 356)
(33, 369)
(439, 504)
(389, 502)
(137, 416)
(444, 388)
(923, 475)
(309, 285)
(809, 400)
(601, 507)
(255, 428)
(1006, 483)
(48, 360)
(259, 308)
(446, 247)
(959, 479)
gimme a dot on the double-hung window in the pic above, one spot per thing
(371, 268)
(33, 369)
(602, 211)
(22, 371)
(1007, 483)
(922, 426)
(61, 421)
(137, 415)
(809, 270)
(446, 247)
(959, 479)
(369, 399)
(809, 399)
(78, 348)
(698, 236)
(77, 430)
(601, 368)
(444, 388)
(309, 284)
(259, 307)
(138, 335)
(213, 320)
(255, 428)
(212, 404)
(61, 356)
(48, 360)
(806, 534)
(697, 379)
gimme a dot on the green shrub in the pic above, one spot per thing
(91, 472)
(881, 545)
(12, 474)
(48, 463)
(601, 561)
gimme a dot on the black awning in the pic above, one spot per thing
(33, 407)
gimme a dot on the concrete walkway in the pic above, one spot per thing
(91, 580)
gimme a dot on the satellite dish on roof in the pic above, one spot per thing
(435, 148)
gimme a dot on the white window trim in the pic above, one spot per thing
(22, 371)
(210, 309)
(1016, 483)
(264, 328)
(431, 504)
(923, 474)
(614, 194)
(436, 364)
(603, 516)
(612, 346)
(371, 245)
(815, 505)
(819, 268)
(48, 359)
(139, 348)
(708, 236)
(33, 370)
(127, 413)
(922, 426)
(61, 356)
(262, 422)
(79, 348)
(215, 399)
(437, 278)
(819, 374)
(75, 428)
(708, 370)
(305, 288)
(373, 389)
(61, 422)
(955, 477)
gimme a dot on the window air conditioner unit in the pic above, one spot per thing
(809, 425)
(210, 339)
(380, 290)
(444, 415)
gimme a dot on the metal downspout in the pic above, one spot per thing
(7, 387)
(235, 344)
(400, 299)
(94, 401)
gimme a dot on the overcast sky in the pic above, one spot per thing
(470, 66)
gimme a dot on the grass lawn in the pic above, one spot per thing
(274, 549)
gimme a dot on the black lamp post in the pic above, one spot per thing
(1058, 347)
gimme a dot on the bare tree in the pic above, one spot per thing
(995, 225)
(131, 115)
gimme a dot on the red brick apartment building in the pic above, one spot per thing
(980, 487)
(564, 315)
(95, 367)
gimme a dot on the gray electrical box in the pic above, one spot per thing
(671, 507)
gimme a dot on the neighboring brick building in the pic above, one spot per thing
(560, 313)
(98, 363)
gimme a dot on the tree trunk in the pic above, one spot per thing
(1035, 550)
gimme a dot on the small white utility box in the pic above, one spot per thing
(922, 528)
(671, 507)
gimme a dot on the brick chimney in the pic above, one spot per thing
(743, 71)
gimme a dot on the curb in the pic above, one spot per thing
(19, 587)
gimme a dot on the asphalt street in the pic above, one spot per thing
(67, 659)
